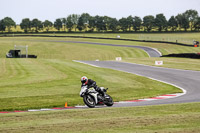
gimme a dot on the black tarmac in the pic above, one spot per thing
(187, 80)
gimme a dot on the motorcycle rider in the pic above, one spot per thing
(91, 83)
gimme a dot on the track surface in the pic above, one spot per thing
(150, 51)
(186, 79)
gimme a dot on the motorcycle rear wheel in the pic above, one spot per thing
(89, 101)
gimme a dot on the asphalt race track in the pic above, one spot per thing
(184, 79)
(150, 51)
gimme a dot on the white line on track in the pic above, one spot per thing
(85, 63)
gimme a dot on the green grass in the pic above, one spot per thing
(139, 57)
(184, 118)
(170, 37)
(53, 79)
(28, 83)
(178, 63)
(70, 51)
(59, 48)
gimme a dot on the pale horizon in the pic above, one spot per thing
(53, 9)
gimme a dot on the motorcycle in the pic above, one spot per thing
(92, 98)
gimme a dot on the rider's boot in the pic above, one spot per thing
(102, 92)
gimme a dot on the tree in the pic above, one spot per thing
(179, 21)
(92, 23)
(137, 22)
(69, 23)
(37, 24)
(192, 15)
(100, 23)
(58, 24)
(197, 24)
(129, 22)
(25, 24)
(172, 23)
(85, 18)
(185, 21)
(64, 23)
(2, 25)
(106, 20)
(160, 22)
(148, 22)
(83, 21)
(74, 19)
(182, 21)
(80, 24)
(123, 22)
(9, 23)
(113, 24)
(47, 24)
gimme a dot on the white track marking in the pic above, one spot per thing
(85, 63)
(33, 110)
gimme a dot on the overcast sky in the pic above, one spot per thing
(53, 9)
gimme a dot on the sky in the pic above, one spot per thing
(53, 9)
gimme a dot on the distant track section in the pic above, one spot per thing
(150, 51)
(121, 39)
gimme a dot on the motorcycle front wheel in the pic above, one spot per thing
(108, 101)
(89, 101)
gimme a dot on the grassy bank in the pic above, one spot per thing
(43, 47)
(53, 78)
(28, 83)
(176, 118)
(48, 48)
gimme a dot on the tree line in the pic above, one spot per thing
(190, 19)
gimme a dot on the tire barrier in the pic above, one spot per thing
(184, 55)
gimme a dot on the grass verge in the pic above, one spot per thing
(150, 119)
(177, 63)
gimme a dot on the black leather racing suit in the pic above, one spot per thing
(91, 83)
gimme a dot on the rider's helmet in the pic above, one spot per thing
(84, 80)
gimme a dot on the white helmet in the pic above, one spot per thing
(84, 79)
